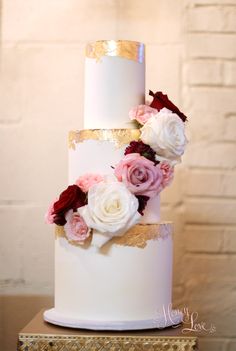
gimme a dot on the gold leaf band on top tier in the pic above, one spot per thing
(119, 137)
(131, 50)
(137, 236)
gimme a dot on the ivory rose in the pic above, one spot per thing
(164, 132)
(87, 180)
(75, 228)
(111, 208)
(140, 175)
(142, 113)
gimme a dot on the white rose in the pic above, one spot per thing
(111, 209)
(164, 132)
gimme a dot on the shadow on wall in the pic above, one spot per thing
(15, 312)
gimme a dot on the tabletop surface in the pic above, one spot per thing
(37, 326)
(39, 335)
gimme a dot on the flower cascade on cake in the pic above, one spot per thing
(109, 206)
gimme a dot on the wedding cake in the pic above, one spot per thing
(113, 255)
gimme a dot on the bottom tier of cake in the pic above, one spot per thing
(173, 318)
(127, 284)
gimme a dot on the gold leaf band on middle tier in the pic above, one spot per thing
(119, 137)
(140, 234)
(137, 236)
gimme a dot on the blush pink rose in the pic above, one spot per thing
(140, 175)
(76, 229)
(167, 172)
(87, 180)
(49, 216)
(142, 113)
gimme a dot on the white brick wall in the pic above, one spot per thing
(222, 183)
(204, 72)
(209, 92)
(229, 70)
(191, 55)
(202, 45)
(212, 18)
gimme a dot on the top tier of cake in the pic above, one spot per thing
(114, 83)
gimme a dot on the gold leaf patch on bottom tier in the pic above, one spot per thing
(137, 236)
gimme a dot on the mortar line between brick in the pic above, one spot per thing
(216, 4)
(15, 203)
(210, 226)
(209, 170)
(210, 197)
(211, 85)
(211, 253)
(226, 224)
(212, 59)
(80, 44)
(209, 32)
(202, 168)
(206, 57)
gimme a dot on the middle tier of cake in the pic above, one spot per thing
(98, 151)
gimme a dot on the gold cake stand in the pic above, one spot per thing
(41, 336)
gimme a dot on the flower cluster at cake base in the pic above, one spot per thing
(109, 206)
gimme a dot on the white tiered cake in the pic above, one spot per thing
(113, 256)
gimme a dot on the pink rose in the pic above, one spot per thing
(142, 113)
(87, 180)
(167, 172)
(140, 175)
(76, 229)
(49, 216)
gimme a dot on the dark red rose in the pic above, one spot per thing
(161, 100)
(142, 149)
(142, 200)
(70, 199)
(59, 219)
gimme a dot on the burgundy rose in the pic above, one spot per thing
(70, 199)
(161, 100)
(59, 219)
(140, 148)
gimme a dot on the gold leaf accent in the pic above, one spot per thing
(137, 236)
(72, 139)
(131, 50)
(140, 234)
(60, 231)
(119, 137)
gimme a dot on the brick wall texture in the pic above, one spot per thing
(191, 55)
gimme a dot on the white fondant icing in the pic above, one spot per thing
(173, 318)
(123, 284)
(113, 85)
(152, 211)
(124, 287)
